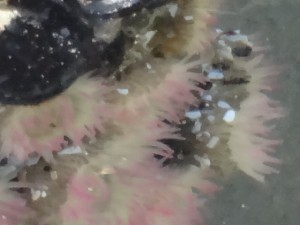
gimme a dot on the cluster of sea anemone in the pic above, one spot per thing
(122, 112)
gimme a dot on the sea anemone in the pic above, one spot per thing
(135, 133)
(45, 128)
(186, 29)
(141, 192)
(168, 92)
(249, 140)
(102, 146)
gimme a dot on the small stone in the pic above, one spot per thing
(229, 116)
(193, 115)
(35, 194)
(215, 75)
(73, 50)
(123, 91)
(197, 127)
(237, 38)
(65, 32)
(44, 194)
(148, 65)
(204, 160)
(207, 97)
(173, 8)
(213, 142)
(109, 170)
(218, 30)
(71, 150)
(188, 18)
(223, 105)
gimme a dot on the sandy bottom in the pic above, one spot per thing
(244, 201)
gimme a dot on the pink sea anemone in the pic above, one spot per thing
(43, 128)
(143, 193)
(170, 97)
(116, 180)
(141, 117)
(125, 184)
(249, 141)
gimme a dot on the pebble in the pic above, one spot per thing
(223, 105)
(35, 194)
(123, 91)
(238, 38)
(71, 150)
(193, 115)
(204, 160)
(44, 194)
(173, 8)
(229, 116)
(207, 98)
(188, 18)
(197, 127)
(149, 67)
(215, 75)
(213, 142)
(219, 31)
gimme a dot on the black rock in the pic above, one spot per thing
(42, 54)
(100, 9)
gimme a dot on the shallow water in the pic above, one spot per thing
(243, 201)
